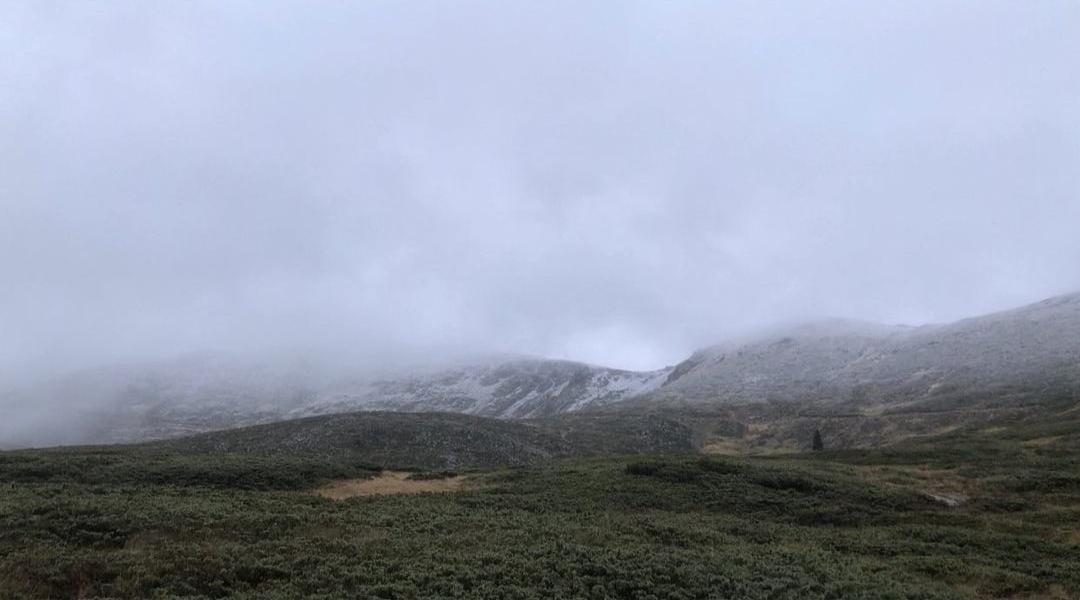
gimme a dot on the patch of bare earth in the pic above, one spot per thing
(389, 482)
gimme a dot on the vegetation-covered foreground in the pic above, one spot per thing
(129, 523)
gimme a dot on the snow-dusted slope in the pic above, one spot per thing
(1018, 355)
(139, 402)
(1020, 350)
(516, 389)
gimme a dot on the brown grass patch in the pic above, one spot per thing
(389, 482)
(727, 447)
(742, 448)
(943, 485)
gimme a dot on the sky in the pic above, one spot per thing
(613, 182)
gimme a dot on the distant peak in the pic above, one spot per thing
(1073, 298)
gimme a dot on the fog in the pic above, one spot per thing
(375, 183)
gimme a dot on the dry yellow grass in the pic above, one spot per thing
(741, 448)
(744, 445)
(727, 447)
(388, 482)
(943, 485)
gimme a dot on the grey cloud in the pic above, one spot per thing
(612, 182)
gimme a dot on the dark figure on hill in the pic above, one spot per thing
(818, 445)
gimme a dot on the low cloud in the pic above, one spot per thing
(616, 183)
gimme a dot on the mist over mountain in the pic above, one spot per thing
(483, 299)
(998, 359)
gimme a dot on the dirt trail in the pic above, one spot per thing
(388, 482)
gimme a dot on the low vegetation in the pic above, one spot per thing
(143, 523)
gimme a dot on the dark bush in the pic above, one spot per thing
(674, 472)
(718, 466)
(432, 475)
(643, 468)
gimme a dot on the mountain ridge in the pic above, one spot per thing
(1005, 357)
(896, 363)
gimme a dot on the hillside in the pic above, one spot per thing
(977, 369)
(1012, 356)
(555, 507)
(982, 515)
(440, 440)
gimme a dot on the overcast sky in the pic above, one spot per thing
(614, 182)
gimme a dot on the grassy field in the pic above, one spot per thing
(138, 523)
